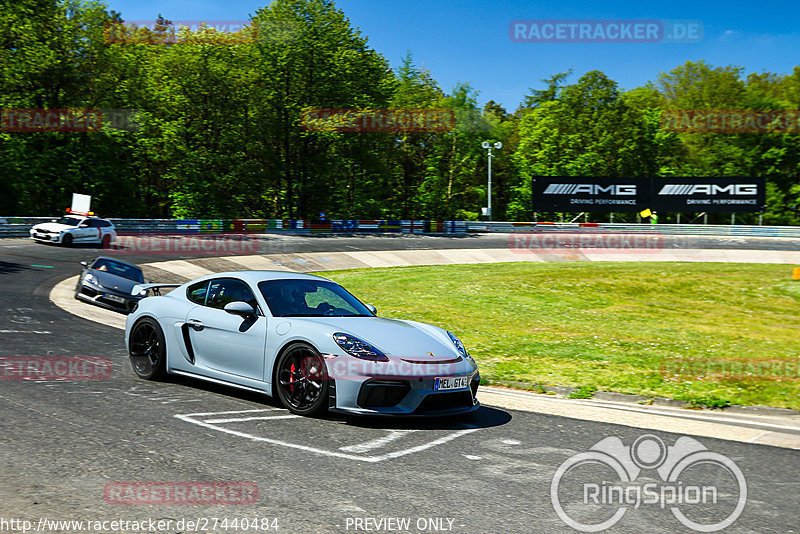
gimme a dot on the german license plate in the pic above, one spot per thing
(450, 383)
(115, 298)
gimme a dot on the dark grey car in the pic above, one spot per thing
(107, 282)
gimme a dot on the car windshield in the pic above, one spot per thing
(70, 221)
(310, 298)
(125, 270)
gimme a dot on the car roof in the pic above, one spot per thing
(253, 277)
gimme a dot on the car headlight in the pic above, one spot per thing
(358, 348)
(459, 345)
(91, 279)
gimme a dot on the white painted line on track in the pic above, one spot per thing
(191, 418)
(233, 412)
(242, 419)
(376, 443)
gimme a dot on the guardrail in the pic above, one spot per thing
(19, 227)
(626, 228)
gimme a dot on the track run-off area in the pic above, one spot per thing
(71, 449)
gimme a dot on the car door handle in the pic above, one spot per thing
(197, 325)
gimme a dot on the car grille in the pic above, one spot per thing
(476, 380)
(89, 292)
(383, 393)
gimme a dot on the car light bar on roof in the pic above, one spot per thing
(85, 213)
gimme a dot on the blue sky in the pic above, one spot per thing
(468, 40)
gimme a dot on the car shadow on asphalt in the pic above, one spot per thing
(484, 417)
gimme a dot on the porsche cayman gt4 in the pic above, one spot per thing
(303, 339)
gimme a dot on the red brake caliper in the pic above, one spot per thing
(291, 377)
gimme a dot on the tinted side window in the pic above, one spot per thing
(226, 290)
(103, 224)
(197, 292)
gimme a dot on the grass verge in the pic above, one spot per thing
(710, 334)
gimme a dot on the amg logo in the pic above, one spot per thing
(590, 189)
(709, 189)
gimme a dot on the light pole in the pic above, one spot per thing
(488, 146)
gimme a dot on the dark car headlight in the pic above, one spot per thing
(89, 278)
(459, 345)
(358, 348)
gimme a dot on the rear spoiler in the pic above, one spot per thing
(156, 288)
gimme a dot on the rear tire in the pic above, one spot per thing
(106, 242)
(148, 349)
(301, 380)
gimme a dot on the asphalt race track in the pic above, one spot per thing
(64, 443)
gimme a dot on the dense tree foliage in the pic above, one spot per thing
(220, 132)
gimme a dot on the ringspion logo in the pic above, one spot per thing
(704, 490)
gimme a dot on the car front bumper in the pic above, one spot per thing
(46, 237)
(106, 299)
(400, 388)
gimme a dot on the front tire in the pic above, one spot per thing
(302, 380)
(148, 350)
(66, 240)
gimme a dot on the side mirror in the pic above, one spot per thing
(240, 308)
(372, 308)
(84, 264)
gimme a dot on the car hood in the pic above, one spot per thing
(53, 227)
(114, 282)
(393, 337)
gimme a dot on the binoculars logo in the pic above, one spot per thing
(648, 473)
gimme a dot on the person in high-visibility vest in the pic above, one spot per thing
(654, 218)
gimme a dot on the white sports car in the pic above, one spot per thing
(303, 339)
(75, 229)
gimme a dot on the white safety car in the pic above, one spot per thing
(75, 228)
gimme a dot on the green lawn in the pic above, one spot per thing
(610, 326)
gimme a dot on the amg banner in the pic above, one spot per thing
(674, 194)
(557, 193)
(708, 194)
